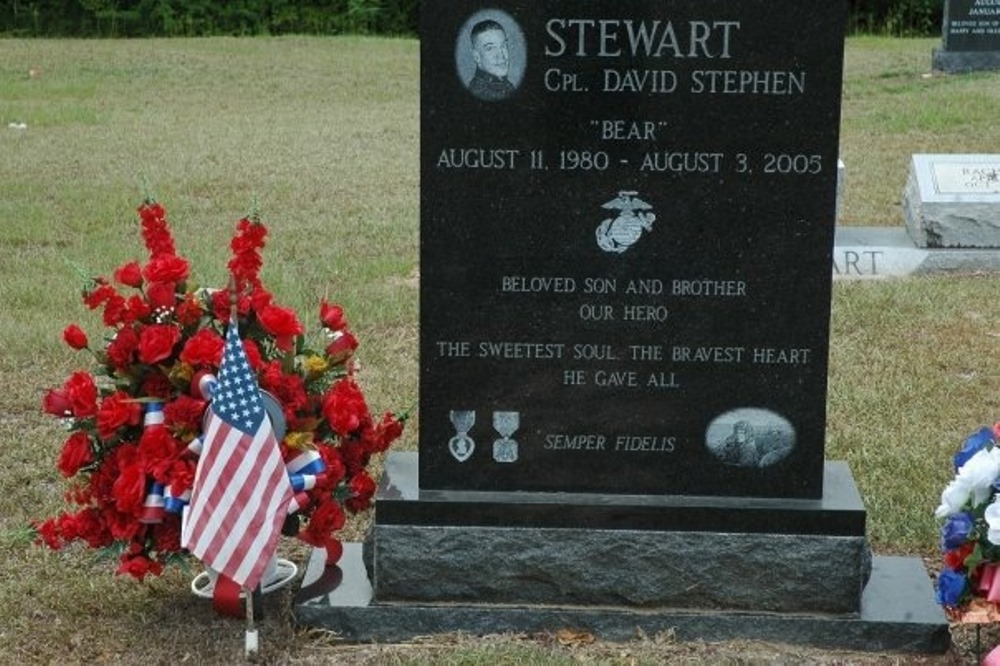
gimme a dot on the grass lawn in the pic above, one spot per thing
(323, 134)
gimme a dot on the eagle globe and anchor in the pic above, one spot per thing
(634, 217)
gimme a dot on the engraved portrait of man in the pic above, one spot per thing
(490, 52)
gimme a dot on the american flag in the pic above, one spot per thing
(241, 489)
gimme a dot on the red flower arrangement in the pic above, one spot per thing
(135, 421)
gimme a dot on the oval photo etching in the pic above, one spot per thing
(750, 437)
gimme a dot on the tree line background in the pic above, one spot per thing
(188, 18)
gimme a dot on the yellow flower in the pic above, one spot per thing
(300, 441)
(314, 366)
(180, 374)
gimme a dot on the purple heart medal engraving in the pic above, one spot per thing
(461, 445)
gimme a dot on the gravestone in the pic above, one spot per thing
(953, 201)
(627, 223)
(970, 36)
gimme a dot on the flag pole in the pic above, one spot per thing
(251, 643)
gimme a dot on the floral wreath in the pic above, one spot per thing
(135, 421)
(970, 531)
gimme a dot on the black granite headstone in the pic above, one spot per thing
(626, 231)
(626, 235)
(970, 36)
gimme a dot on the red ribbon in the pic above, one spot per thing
(989, 583)
(226, 597)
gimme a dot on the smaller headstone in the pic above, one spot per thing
(970, 36)
(953, 201)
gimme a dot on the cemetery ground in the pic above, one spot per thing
(323, 134)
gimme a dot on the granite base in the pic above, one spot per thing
(703, 567)
(638, 551)
(898, 613)
(956, 62)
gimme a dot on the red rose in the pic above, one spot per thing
(117, 410)
(157, 341)
(76, 453)
(342, 347)
(203, 348)
(332, 316)
(74, 336)
(162, 295)
(130, 490)
(56, 402)
(166, 268)
(282, 323)
(122, 347)
(129, 274)
(955, 558)
(81, 391)
(344, 408)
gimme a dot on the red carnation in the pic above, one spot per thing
(344, 408)
(282, 323)
(168, 536)
(181, 476)
(129, 274)
(139, 566)
(76, 453)
(74, 336)
(183, 415)
(203, 348)
(332, 316)
(157, 341)
(157, 449)
(115, 311)
(138, 308)
(254, 357)
(387, 432)
(116, 411)
(362, 489)
(189, 311)
(326, 519)
(94, 298)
